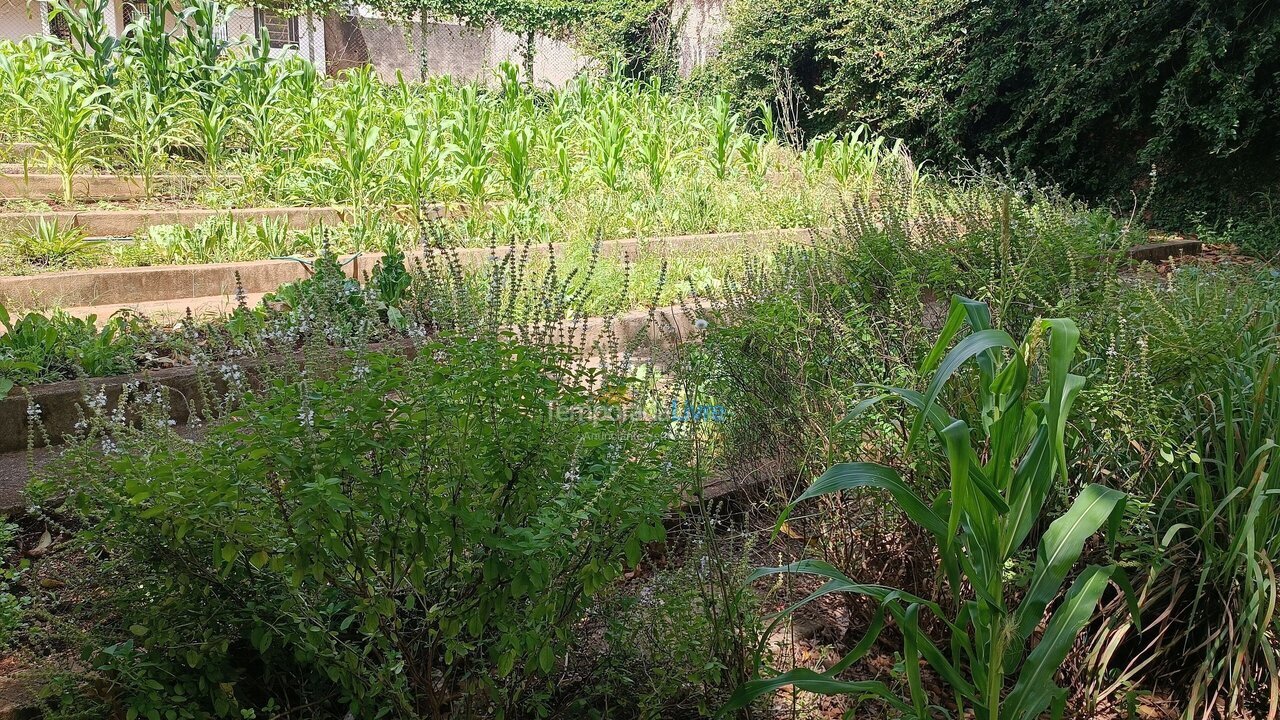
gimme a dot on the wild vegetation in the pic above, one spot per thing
(955, 455)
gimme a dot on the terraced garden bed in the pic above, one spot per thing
(422, 400)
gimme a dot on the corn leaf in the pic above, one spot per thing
(1060, 548)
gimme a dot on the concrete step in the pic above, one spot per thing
(166, 312)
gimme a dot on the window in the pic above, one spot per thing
(56, 24)
(281, 31)
(134, 10)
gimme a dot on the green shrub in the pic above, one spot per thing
(1093, 93)
(414, 537)
(671, 645)
(637, 38)
(38, 348)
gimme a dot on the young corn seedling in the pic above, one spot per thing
(354, 141)
(998, 489)
(561, 156)
(145, 128)
(20, 71)
(204, 43)
(421, 163)
(93, 45)
(656, 156)
(261, 83)
(213, 122)
(814, 160)
(303, 86)
(469, 128)
(846, 154)
(725, 138)
(755, 153)
(150, 41)
(515, 145)
(609, 134)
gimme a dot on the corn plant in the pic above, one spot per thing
(260, 84)
(354, 140)
(768, 126)
(273, 238)
(814, 160)
(63, 110)
(912, 173)
(93, 45)
(846, 154)
(150, 41)
(557, 144)
(725, 137)
(20, 71)
(145, 129)
(203, 44)
(212, 122)
(755, 153)
(609, 134)
(515, 145)
(420, 162)
(303, 84)
(469, 129)
(656, 156)
(997, 494)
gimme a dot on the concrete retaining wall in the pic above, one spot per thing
(126, 223)
(118, 286)
(108, 187)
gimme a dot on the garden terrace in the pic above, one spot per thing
(168, 291)
(339, 398)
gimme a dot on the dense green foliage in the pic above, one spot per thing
(437, 488)
(381, 537)
(1093, 94)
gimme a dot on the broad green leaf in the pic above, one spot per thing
(1028, 491)
(827, 570)
(1035, 690)
(967, 348)
(847, 476)
(1060, 548)
(810, 681)
(1063, 387)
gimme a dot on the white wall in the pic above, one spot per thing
(452, 49)
(19, 19)
(701, 25)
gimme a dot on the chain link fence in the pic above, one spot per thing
(419, 50)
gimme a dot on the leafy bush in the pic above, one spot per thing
(1093, 93)
(1212, 531)
(380, 535)
(38, 348)
(637, 38)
